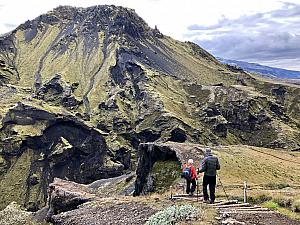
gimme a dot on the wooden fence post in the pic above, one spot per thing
(245, 191)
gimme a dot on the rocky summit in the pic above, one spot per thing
(82, 88)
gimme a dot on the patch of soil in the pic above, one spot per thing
(106, 214)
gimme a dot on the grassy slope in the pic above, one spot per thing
(258, 166)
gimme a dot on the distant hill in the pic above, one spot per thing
(264, 70)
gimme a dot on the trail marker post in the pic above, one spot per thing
(245, 191)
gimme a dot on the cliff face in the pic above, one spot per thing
(81, 88)
(38, 145)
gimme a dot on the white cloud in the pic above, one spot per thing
(172, 17)
(267, 38)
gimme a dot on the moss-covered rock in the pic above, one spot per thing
(164, 174)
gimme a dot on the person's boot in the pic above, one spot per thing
(206, 201)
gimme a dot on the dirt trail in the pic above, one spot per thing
(245, 214)
(258, 218)
(97, 210)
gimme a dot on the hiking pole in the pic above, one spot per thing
(197, 190)
(223, 188)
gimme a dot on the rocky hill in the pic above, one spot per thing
(81, 88)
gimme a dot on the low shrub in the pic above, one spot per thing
(275, 186)
(258, 199)
(296, 206)
(283, 201)
(174, 214)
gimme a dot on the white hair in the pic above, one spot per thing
(208, 150)
(191, 161)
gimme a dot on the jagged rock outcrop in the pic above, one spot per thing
(45, 145)
(58, 92)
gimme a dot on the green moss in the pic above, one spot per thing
(30, 130)
(14, 214)
(2, 161)
(271, 205)
(13, 184)
(65, 142)
(62, 147)
(164, 174)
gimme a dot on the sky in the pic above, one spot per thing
(261, 31)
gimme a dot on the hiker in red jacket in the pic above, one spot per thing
(190, 174)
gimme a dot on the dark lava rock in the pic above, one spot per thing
(70, 102)
(280, 91)
(58, 92)
(123, 155)
(212, 111)
(33, 179)
(221, 129)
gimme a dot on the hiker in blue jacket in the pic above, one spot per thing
(209, 166)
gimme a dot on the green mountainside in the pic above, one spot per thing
(81, 88)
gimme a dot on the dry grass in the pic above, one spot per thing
(258, 166)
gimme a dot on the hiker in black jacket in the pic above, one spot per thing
(209, 166)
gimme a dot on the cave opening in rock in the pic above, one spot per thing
(154, 163)
(178, 135)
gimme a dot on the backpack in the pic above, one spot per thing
(187, 173)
